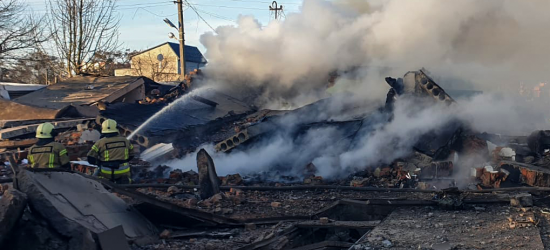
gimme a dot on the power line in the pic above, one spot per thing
(116, 8)
(152, 13)
(216, 15)
(145, 6)
(149, 4)
(228, 7)
(199, 15)
(244, 1)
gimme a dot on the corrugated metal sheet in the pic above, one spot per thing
(74, 91)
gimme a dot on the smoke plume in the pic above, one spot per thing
(494, 44)
(491, 45)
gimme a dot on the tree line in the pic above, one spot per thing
(74, 37)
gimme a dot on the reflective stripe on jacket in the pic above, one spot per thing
(113, 150)
(124, 168)
(51, 155)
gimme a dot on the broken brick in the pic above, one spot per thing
(173, 190)
(216, 199)
(359, 182)
(165, 234)
(232, 180)
(521, 200)
(191, 202)
(236, 191)
(176, 175)
(275, 204)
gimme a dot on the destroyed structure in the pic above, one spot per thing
(414, 202)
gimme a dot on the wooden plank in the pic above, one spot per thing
(288, 188)
(29, 129)
(389, 202)
(201, 234)
(265, 242)
(339, 224)
(18, 143)
(16, 123)
(325, 244)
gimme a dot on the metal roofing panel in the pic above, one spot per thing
(74, 91)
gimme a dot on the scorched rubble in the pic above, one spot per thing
(454, 189)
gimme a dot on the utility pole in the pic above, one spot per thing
(182, 39)
(274, 8)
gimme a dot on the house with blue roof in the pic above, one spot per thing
(161, 63)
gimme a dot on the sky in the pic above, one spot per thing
(141, 24)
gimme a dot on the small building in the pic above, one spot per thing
(161, 63)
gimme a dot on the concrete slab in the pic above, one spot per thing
(113, 239)
(83, 201)
(12, 204)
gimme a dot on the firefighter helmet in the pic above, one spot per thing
(44, 130)
(109, 126)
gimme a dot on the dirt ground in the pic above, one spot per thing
(239, 238)
(487, 227)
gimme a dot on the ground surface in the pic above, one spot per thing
(262, 204)
(428, 228)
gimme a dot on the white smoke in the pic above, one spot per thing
(492, 44)
(489, 43)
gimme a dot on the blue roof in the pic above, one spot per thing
(192, 54)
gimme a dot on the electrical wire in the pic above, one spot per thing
(228, 7)
(125, 7)
(216, 16)
(199, 15)
(244, 1)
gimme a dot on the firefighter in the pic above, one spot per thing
(112, 154)
(47, 153)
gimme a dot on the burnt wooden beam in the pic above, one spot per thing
(326, 245)
(18, 143)
(205, 101)
(339, 224)
(286, 188)
(323, 187)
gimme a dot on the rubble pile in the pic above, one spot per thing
(455, 188)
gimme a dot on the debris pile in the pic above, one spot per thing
(455, 188)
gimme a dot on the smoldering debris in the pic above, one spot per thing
(290, 138)
(300, 169)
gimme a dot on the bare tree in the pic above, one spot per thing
(36, 68)
(105, 63)
(80, 28)
(18, 31)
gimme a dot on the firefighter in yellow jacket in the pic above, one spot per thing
(112, 154)
(47, 153)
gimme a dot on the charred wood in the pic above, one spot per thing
(208, 178)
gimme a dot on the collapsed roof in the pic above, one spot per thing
(84, 91)
(16, 111)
